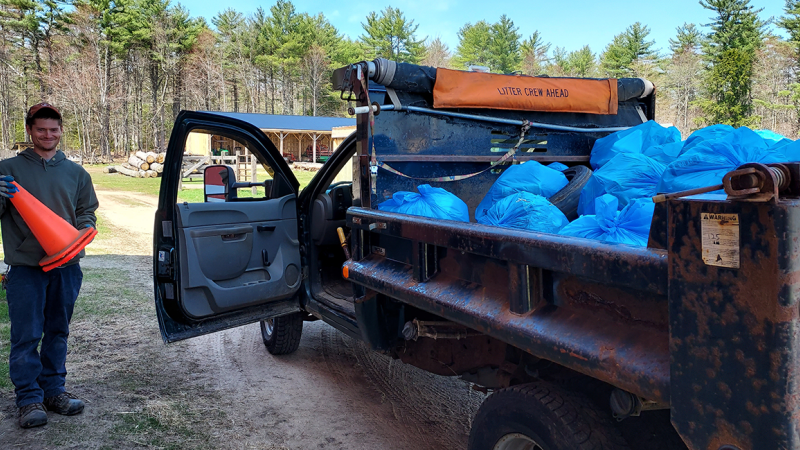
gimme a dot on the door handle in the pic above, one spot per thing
(221, 231)
(262, 228)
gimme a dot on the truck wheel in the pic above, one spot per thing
(567, 198)
(282, 334)
(541, 416)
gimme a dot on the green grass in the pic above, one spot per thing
(160, 429)
(119, 182)
(304, 177)
(151, 186)
(100, 299)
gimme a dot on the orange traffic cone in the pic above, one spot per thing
(59, 239)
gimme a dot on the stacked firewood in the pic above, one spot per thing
(140, 165)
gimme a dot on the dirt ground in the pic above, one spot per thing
(224, 391)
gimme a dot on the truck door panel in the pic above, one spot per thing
(237, 254)
(224, 263)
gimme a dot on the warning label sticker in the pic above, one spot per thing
(720, 239)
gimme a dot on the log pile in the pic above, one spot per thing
(140, 165)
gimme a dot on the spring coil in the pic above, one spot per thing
(780, 177)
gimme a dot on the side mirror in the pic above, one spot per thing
(218, 183)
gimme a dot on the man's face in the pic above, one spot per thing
(45, 134)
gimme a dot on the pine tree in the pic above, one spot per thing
(582, 62)
(22, 18)
(393, 37)
(504, 46)
(496, 46)
(791, 23)
(626, 48)
(182, 35)
(689, 38)
(474, 42)
(231, 32)
(736, 34)
(534, 54)
(285, 48)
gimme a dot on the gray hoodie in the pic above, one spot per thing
(63, 186)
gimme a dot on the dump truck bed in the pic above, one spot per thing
(713, 341)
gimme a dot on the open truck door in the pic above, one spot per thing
(231, 256)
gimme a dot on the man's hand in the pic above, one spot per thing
(6, 188)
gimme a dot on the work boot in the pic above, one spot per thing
(33, 415)
(65, 404)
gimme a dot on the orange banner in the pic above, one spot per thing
(458, 89)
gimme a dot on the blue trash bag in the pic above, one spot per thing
(633, 140)
(665, 153)
(431, 202)
(591, 190)
(629, 226)
(788, 149)
(627, 176)
(526, 211)
(558, 166)
(528, 177)
(770, 136)
(710, 160)
(709, 133)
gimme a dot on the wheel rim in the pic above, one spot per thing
(517, 441)
(266, 327)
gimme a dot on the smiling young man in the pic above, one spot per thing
(40, 304)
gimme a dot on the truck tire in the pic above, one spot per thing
(567, 198)
(282, 334)
(542, 416)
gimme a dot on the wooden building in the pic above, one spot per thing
(302, 138)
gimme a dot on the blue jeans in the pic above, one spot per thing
(40, 307)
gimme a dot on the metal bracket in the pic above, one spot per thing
(347, 84)
(377, 226)
(424, 260)
(754, 182)
(525, 284)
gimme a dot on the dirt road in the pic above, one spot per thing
(224, 390)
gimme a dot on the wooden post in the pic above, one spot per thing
(282, 137)
(238, 165)
(314, 147)
(253, 169)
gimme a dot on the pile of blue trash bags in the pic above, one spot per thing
(615, 206)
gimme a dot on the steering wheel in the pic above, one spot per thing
(338, 183)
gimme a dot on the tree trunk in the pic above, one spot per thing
(235, 96)
(138, 162)
(177, 91)
(105, 148)
(128, 171)
(158, 122)
(148, 157)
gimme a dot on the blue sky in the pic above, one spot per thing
(571, 24)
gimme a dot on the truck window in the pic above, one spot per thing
(253, 175)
